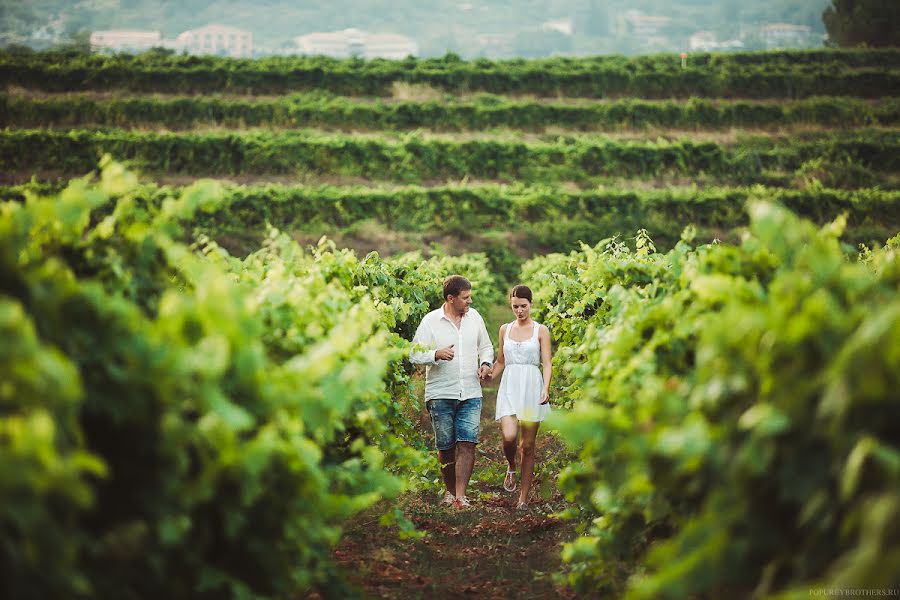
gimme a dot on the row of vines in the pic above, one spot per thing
(483, 112)
(549, 218)
(869, 73)
(733, 410)
(414, 158)
(180, 422)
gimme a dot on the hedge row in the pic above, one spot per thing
(735, 412)
(414, 159)
(808, 58)
(483, 113)
(654, 77)
(177, 422)
(549, 219)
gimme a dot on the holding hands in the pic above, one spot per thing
(484, 373)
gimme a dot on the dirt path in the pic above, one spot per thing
(489, 551)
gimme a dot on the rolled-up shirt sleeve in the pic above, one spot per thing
(485, 347)
(423, 338)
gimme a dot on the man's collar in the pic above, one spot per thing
(445, 316)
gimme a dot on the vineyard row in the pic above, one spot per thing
(483, 113)
(413, 159)
(762, 76)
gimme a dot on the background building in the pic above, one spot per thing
(219, 40)
(120, 40)
(353, 42)
(784, 35)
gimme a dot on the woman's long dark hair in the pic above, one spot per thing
(521, 291)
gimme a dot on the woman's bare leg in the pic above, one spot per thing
(529, 433)
(509, 427)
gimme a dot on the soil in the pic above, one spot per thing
(488, 551)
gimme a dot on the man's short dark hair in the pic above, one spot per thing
(455, 285)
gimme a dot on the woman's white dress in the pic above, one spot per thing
(522, 381)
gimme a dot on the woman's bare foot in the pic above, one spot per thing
(509, 482)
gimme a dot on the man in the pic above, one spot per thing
(459, 353)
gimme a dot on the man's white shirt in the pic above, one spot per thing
(457, 378)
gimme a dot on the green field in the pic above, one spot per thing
(211, 269)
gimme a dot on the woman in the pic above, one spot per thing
(524, 394)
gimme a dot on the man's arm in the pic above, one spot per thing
(485, 347)
(423, 338)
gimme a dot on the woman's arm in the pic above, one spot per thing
(501, 361)
(546, 362)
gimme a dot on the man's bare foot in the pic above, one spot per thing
(461, 502)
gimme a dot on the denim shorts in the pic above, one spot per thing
(454, 421)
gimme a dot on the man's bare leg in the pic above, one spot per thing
(448, 468)
(465, 462)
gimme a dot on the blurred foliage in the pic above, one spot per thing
(734, 411)
(510, 222)
(865, 23)
(177, 421)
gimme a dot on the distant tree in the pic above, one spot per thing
(18, 50)
(870, 23)
(78, 42)
(159, 51)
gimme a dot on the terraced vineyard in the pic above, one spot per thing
(540, 153)
(117, 286)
